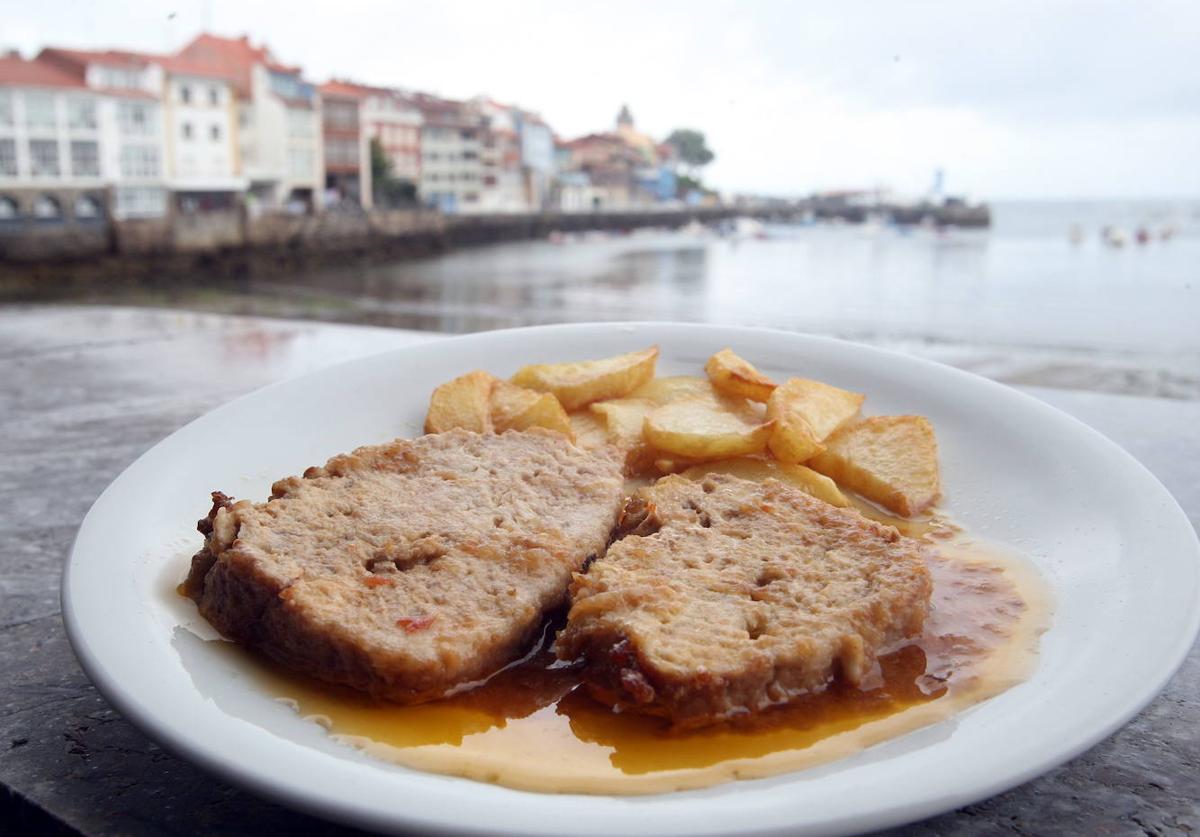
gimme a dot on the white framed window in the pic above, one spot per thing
(136, 118)
(120, 78)
(81, 114)
(8, 157)
(139, 161)
(6, 108)
(139, 202)
(300, 122)
(186, 128)
(341, 114)
(39, 111)
(214, 132)
(185, 94)
(342, 152)
(300, 162)
(43, 158)
(214, 95)
(85, 158)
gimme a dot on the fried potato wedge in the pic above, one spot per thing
(890, 460)
(580, 383)
(673, 388)
(734, 375)
(805, 413)
(623, 417)
(756, 469)
(462, 402)
(517, 408)
(588, 430)
(703, 428)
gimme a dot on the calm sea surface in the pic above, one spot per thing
(1022, 283)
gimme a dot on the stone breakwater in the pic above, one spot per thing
(232, 243)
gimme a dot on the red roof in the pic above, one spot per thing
(109, 57)
(182, 65)
(15, 70)
(593, 139)
(444, 112)
(227, 58)
(345, 89)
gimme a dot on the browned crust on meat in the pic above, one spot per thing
(411, 568)
(729, 597)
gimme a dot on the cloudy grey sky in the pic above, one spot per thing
(1013, 99)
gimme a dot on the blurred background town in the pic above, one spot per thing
(223, 123)
(1008, 184)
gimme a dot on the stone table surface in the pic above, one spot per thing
(85, 391)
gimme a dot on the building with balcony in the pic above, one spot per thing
(452, 145)
(50, 143)
(503, 187)
(176, 128)
(346, 146)
(69, 131)
(518, 158)
(392, 118)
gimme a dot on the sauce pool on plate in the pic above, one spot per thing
(533, 725)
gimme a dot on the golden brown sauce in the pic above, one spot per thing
(532, 726)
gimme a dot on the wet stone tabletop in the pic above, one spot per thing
(85, 391)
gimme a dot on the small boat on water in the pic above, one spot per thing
(1114, 237)
(747, 228)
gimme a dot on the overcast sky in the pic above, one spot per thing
(1012, 99)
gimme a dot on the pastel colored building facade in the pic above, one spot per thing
(619, 169)
(346, 145)
(392, 118)
(223, 125)
(452, 145)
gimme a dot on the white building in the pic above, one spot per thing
(69, 131)
(452, 170)
(203, 169)
(503, 184)
(278, 146)
(518, 157)
(537, 160)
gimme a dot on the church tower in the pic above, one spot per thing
(624, 119)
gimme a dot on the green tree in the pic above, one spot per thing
(692, 149)
(387, 189)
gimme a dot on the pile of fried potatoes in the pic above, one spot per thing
(736, 421)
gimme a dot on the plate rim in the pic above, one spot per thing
(260, 782)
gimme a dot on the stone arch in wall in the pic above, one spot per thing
(88, 208)
(47, 207)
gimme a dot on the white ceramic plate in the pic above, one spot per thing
(1120, 555)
